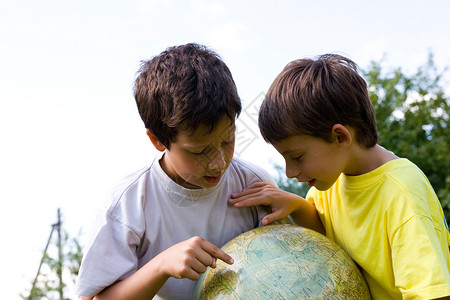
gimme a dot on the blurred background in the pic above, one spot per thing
(69, 126)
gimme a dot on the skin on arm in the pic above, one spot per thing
(282, 203)
(187, 259)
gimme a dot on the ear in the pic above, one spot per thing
(155, 141)
(342, 135)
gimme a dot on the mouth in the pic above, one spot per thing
(213, 179)
(311, 182)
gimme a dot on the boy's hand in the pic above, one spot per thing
(190, 258)
(281, 202)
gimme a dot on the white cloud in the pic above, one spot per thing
(209, 10)
(152, 5)
(374, 50)
(230, 37)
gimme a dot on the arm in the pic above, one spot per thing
(187, 259)
(282, 203)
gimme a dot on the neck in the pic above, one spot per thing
(364, 160)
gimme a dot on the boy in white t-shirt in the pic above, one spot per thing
(379, 208)
(164, 224)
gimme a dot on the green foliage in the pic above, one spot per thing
(413, 120)
(47, 285)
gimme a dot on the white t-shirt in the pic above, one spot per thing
(148, 212)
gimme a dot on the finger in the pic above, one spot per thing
(252, 188)
(266, 221)
(216, 252)
(257, 184)
(252, 200)
(205, 258)
(247, 195)
(273, 217)
(199, 267)
(224, 257)
(246, 192)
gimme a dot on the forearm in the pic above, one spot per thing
(187, 259)
(144, 284)
(307, 216)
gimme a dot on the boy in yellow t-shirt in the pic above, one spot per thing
(379, 208)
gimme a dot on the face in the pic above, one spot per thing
(312, 160)
(199, 160)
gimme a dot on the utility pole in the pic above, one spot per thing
(60, 257)
(40, 265)
(56, 226)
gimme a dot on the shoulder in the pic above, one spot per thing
(408, 180)
(406, 176)
(130, 181)
(398, 175)
(397, 182)
(250, 171)
(126, 201)
(133, 180)
(400, 189)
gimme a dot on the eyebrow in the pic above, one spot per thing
(289, 151)
(196, 146)
(226, 133)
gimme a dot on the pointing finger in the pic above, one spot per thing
(216, 252)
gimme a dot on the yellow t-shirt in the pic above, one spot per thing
(392, 224)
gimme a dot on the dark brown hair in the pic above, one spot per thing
(310, 96)
(182, 88)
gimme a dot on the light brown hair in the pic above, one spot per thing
(310, 96)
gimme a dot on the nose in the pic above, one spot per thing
(292, 171)
(218, 161)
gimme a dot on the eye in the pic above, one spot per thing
(297, 158)
(199, 153)
(206, 151)
(229, 142)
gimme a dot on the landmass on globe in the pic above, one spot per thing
(283, 262)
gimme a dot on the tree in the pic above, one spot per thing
(412, 114)
(59, 264)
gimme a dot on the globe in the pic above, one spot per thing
(283, 262)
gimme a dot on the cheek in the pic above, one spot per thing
(229, 152)
(194, 165)
(313, 167)
(186, 164)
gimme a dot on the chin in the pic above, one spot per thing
(322, 187)
(208, 185)
(192, 185)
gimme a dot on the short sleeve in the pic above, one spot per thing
(420, 268)
(111, 256)
(312, 196)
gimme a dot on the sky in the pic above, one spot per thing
(69, 127)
